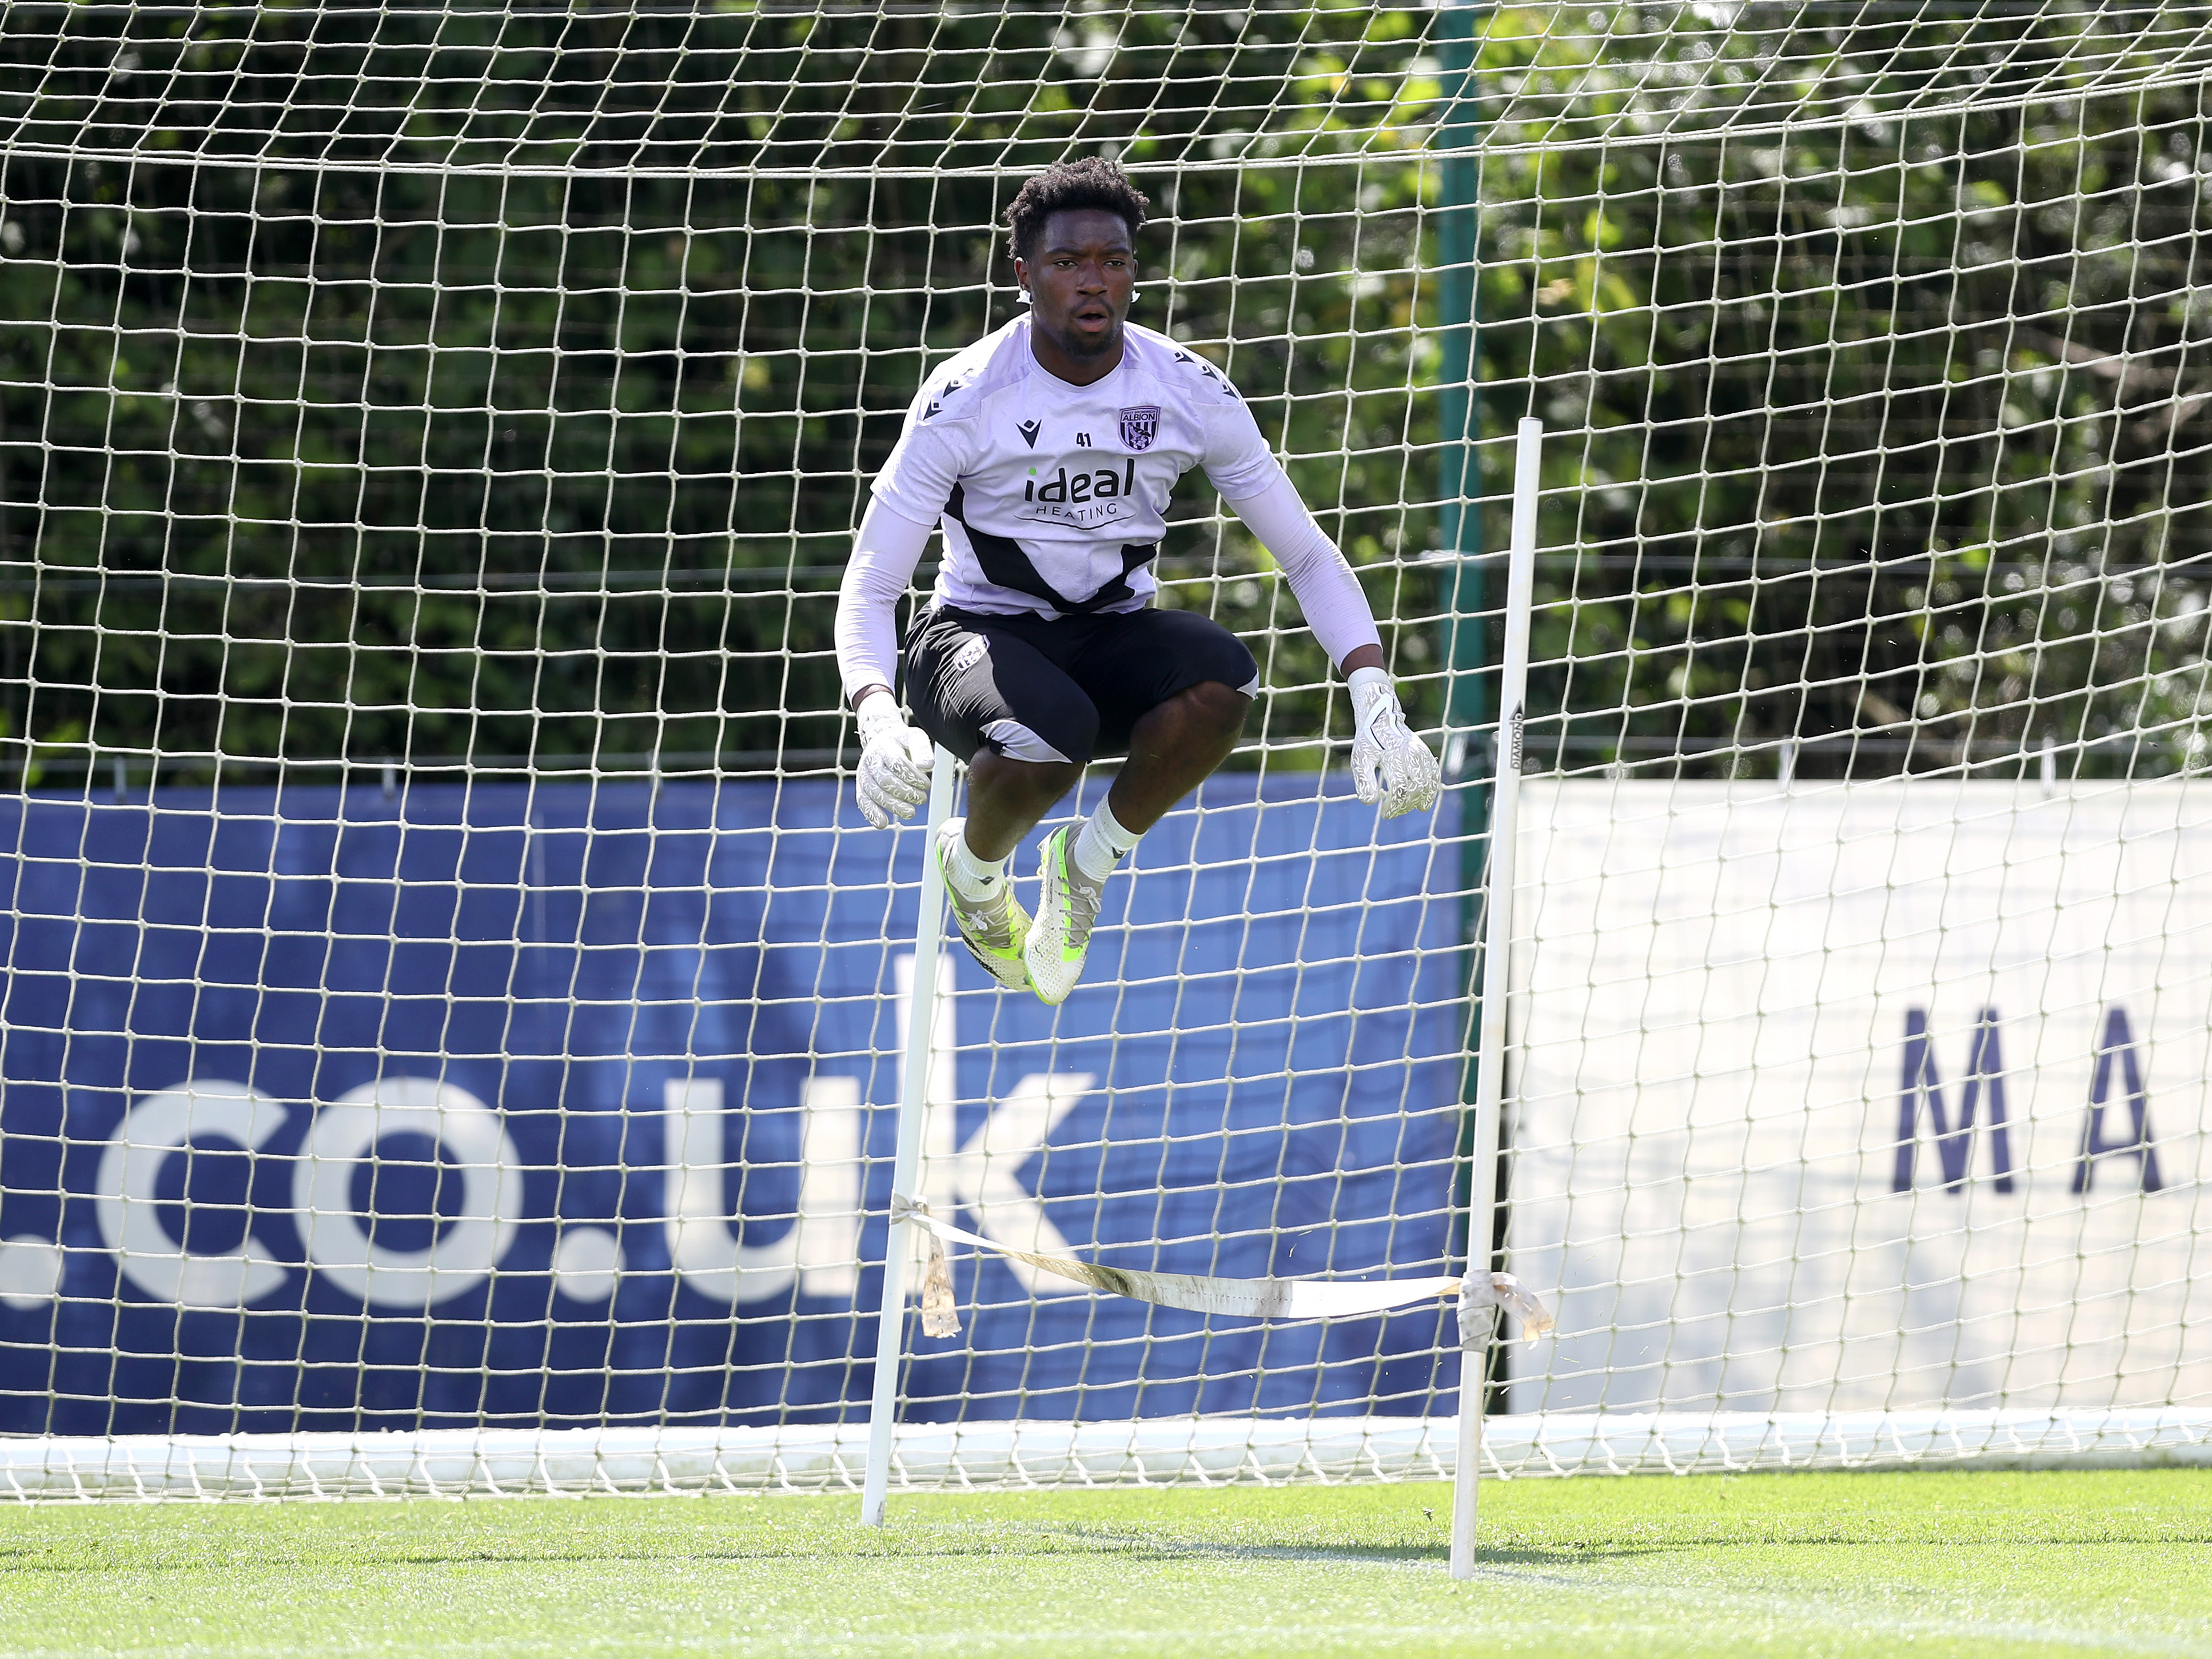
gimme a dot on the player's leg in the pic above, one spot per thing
(1175, 746)
(982, 687)
(1007, 797)
(1170, 687)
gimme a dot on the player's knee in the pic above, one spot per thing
(1035, 783)
(1217, 710)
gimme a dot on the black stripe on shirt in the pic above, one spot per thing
(1005, 563)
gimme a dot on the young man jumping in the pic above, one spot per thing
(1049, 450)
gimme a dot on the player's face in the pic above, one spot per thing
(1081, 278)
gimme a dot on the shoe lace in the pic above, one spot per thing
(1085, 896)
(989, 923)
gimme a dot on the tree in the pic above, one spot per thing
(515, 404)
(438, 385)
(1875, 433)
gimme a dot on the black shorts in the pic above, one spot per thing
(1060, 688)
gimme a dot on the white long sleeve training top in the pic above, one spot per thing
(1053, 497)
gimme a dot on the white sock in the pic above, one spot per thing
(972, 878)
(1102, 842)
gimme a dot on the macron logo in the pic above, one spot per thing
(1029, 429)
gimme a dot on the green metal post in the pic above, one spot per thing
(1459, 521)
(1459, 482)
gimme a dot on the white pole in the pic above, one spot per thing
(1496, 946)
(905, 1169)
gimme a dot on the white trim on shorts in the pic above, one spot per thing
(1017, 741)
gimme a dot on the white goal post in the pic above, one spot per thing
(459, 1037)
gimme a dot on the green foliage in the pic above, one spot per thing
(1883, 434)
(518, 400)
(356, 455)
(337, 466)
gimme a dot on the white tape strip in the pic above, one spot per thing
(1245, 1298)
(1504, 1291)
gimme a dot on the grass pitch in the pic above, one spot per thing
(1926, 1563)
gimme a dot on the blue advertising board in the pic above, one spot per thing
(564, 1104)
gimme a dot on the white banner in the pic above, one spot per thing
(1883, 1095)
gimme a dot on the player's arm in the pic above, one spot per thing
(895, 758)
(904, 504)
(1390, 766)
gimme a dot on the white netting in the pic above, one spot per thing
(449, 994)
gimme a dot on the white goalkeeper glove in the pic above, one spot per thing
(895, 762)
(1390, 764)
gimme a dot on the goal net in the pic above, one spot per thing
(456, 1016)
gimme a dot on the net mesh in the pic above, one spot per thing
(448, 990)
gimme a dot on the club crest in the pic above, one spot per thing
(1140, 426)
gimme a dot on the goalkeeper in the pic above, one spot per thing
(1049, 450)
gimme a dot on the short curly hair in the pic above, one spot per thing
(1068, 186)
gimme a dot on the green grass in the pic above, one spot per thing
(1935, 1564)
